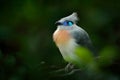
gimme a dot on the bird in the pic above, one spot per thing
(76, 48)
(73, 41)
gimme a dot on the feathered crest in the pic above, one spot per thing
(73, 17)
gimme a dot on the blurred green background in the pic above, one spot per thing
(27, 51)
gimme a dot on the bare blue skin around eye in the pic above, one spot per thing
(67, 23)
(70, 23)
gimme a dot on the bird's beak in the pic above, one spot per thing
(58, 23)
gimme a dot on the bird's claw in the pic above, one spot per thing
(69, 67)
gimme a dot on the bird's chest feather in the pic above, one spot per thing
(61, 37)
(66, 44)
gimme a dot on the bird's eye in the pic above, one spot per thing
(68, 23)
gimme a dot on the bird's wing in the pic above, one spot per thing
(82, 38)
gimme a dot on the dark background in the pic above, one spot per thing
(27, 51)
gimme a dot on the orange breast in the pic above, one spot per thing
(61, 37)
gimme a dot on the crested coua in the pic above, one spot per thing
(72, 41)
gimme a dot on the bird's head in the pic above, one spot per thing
(67, 22)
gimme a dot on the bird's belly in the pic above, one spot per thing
(68, 51)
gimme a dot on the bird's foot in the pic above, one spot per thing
(71, 69)
(68, 70)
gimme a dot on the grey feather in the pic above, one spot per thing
(73, 17)
(82, 38)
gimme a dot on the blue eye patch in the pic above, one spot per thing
(67, 23)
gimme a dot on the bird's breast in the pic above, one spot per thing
(66, 44)
(61, 37)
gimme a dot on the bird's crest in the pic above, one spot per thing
(73, 17)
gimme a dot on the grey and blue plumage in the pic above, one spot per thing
(68, 37)
(82, 38)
